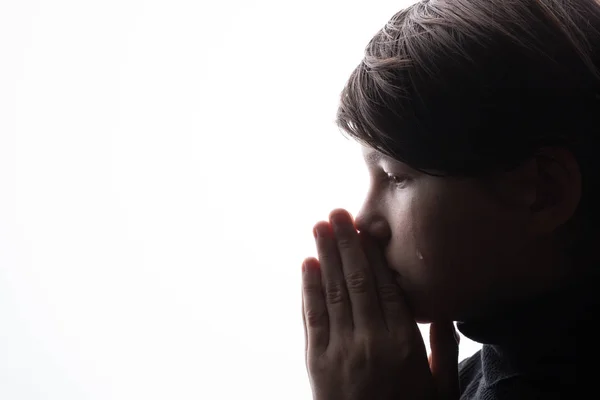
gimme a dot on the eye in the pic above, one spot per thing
(396, 180)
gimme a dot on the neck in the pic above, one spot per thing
(553, 322)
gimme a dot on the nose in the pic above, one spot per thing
(374, 224)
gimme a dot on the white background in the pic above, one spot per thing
(162, 164)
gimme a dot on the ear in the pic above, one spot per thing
(557, 189)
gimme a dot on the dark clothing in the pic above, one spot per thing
(545, 349)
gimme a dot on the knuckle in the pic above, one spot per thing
(391, 299)
(391, 309)
(328, 258)
(345, 242)
(406, 350)
(358, 360)
(315, 316)
(389, 293)
(312, 288)
(321, 365)
(368, 342)
(334, 293)
(357, 282)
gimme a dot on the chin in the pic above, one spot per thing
(419, 313)
(424, 311)
(422, 318)
(428, 319)
(423, 321)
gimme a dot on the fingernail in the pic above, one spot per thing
(320, 230)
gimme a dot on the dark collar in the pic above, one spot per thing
(542, 333)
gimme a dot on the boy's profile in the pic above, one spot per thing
(479, 122)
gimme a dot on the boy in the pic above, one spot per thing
(479, 122)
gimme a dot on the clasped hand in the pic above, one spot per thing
(362, 342)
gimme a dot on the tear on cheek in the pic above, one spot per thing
(419, 255)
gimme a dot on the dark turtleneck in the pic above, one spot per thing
(541, 349)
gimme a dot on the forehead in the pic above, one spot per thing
(375, 158)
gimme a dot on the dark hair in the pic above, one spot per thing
(469, 87)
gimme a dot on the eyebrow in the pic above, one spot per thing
(373, 157)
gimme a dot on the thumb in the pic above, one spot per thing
(443, 360)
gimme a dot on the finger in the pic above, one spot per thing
(396, 313)
(332, 278)
(315, 310)
(303, 317)
(358, 277)
(444, 359)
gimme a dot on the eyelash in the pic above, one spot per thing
(398, 181)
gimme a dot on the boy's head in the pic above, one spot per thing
(478, 120)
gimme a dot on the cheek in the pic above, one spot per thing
(452, 239)
(451, 248)
(405, 254)
(446, 263)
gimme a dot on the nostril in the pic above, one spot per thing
(380, 229)
(375, 227)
